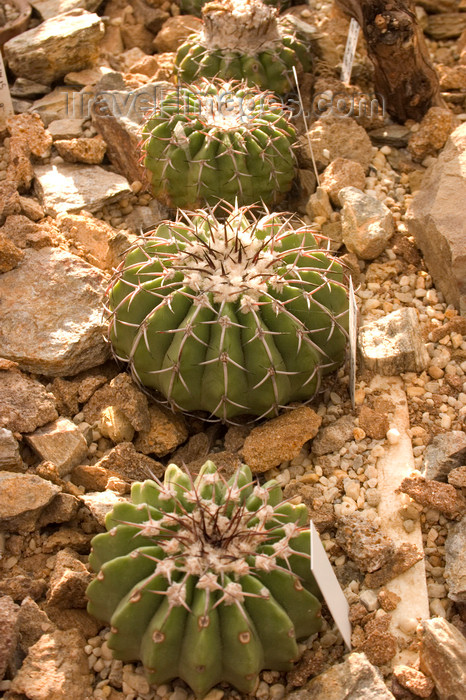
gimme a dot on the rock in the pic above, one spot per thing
(129, 464)
(70, 188)
(10, 459)
(22, 498)
(100, 504)
(10, 255)
(436, 222)
(20, 587)
(54, 326)
(30, 128)
(444, 453)
(400, 560)
(88, 236)
(414, 681)
(115, 425)
(434, 130)
(280, 439)
(51, 8)
(61, 443)
(68, 581)
(82, 150)
(447, 25)
(335, 137)
(393, 344)
(9, 637)
(31, 208)
(65, 128)
(118, 247)
(147, 217)
(333, 436)
(388, 600)
(61, 510)
(354, 679)
(27, 234)
(123, 393)
(32, 623)
(367, 224)
(339, 174)
(55, 669)
(25, 404)
(395, 135)
(452, 77)
(457, 477)
(434, 494)
(363, 542)
(118, 116)
(374, 424)
(167, 430)
(23, 88)
(93, 478)
(57, 46)
(442, 656)
(319, 205)
(379, 644)
(56, 105)
(456, 325)
(67, 537)
(197, 448)
(175, 31)
(455, 561)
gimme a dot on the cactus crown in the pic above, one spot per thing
(243, 25)
(208, 580)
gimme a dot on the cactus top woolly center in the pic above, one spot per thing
(243, 26)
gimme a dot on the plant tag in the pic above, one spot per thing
(6, 106)
(353, 340)
(329, 586)
(350, 50)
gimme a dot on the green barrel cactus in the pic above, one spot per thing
(219, 142)
(240, 316)
(242, 40)
(207, 581)
(194, 7)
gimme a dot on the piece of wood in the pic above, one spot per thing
(404, 75)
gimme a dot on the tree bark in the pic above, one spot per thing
(404, 74)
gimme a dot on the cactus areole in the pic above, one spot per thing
(208, 581)
(218, 142)
(242, 40)
(235, 317)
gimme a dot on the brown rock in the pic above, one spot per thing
(388, 600)
(55, 669)
(124, 394)
(434, 494)
(457, 477)
(433, 132)
(363, 542)
(49, 471)
(88, 236)
(32, 623)
(175, 31)
(374, 424)
(442, 655)
(400, 560)
(452, 77)
(332, 437)
(128, 464)
(10, 459)
(226, 462)
(61, 443)
(22, 498)
(30, 128)
(10, 255)
(406, 248)
(27, 234)
(414, 681)
(68, 581)
(379, 644)
(20, 172)
(31, 208)
(92, 477)
(455, 561)
(455, 325)
(9, 199)
(75, 619)
(196, 448)
(21, 586)
(342, 173)
(82, 150)
(115, 425)
(136, 35)
(446, 25)
(167, 430)
(235, 437)
(9, 637)
(61, 510)
(67, 537)
(280, 439)
(342, 138)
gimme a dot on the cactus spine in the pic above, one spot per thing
(235, 317)
(208, 580)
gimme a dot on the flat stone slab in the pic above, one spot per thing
(51, 314)
(71, 187)
(51, 8)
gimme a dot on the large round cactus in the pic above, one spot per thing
(242, 40)
(207, 581)
(219, 142)
(234, 317)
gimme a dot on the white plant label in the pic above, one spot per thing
(329, 586)
(353, 340)
(350, 50)
(6, 106)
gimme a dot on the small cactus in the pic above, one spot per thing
(242, 40)
(235, 317)
(219, 142)
(208, 581)
(194, 7)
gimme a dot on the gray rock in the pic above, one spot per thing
(66, 128)
(363, 542)
(395, 135)
(51, 8)
(393, 344)
(101, 502)
(10, 634)
(25, 404)
(51, 315)
(57, 46)
(70, 187)
(55, 105)
(438, 223)
(355, 679)
(455, 561)
(28, 89)
(143, 218)
(446, 452)
(333, 436)
(61, 443)
(22, 498)
(367, 224)
(10, 459)
(446, 25)
(442, 656)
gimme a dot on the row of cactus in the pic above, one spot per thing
(219, 142)
(208, 581)
(242, 40)
(240, 316)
